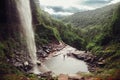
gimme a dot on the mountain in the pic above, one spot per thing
(92, 22)
(105, 44)
(92, 17)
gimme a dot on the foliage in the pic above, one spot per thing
(49, 30)
(2, 55)
(72, 39)
(87, 18)
(115, 28)
(46, 34)
(104, 42)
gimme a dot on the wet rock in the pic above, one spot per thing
(76, 78)
(69, 54)
(17, 64)
(26, 63)
(82, 78)
(47, 50)
(42, 53)
(27, 67)
(91, 60)
(101, 63)
(87, 57)
(46, 75)
(100, 59)
(38, 63)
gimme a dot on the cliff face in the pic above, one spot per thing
(13, 49)
(9, 19)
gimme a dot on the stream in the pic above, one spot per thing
(60, 63)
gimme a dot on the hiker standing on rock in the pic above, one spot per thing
(64, 56)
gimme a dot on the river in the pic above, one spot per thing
(60, 63)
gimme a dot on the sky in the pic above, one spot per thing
(68, 7)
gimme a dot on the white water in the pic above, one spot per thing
(24, 10)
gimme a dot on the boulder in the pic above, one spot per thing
(38, 63)
(87, 57)
(46, 75)
(26, 63)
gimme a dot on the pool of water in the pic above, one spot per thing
(63, 64)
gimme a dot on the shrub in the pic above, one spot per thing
(46, 34)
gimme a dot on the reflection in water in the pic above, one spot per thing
(64, 64)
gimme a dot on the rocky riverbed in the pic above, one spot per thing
(53, 50)
(92, 61)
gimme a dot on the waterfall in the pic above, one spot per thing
(24, 11)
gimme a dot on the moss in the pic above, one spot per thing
(108, 74)
(2, 54)
(90, 45)
(32, 76)
(13, 77)
(56, 33)
(40, 41)
(6, 68)
(9, 72)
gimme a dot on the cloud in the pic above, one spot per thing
(114, 1)
(62, 9)
(58, 10)
(97, 1)
(68, 7)
(63, 3)
(52, 12)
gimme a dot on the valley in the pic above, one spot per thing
(36, 46)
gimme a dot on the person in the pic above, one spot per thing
(64, 56)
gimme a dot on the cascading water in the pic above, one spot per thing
(24, 10)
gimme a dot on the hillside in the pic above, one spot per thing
(91, 23)
(93, 17)
(106, 46)
(100, 29)
(49, 30)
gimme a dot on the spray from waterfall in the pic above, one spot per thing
(24, 10)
